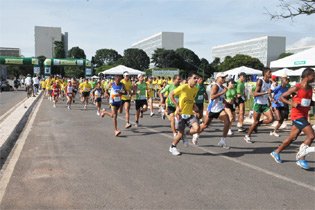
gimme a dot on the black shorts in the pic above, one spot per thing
(182, 123)
(125, 101)
(140, 103)
(75, 91)
(85, 94)
(239, 100)
(230, 106)
(171, 109)
(284, 112)
(200, 107)
(301, 123)
(214, 114)
(98, 100)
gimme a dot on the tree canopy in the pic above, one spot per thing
(106, 57)
(291, 9)
(240, 60)
(76, 52)
(59, 50)
(136, 58)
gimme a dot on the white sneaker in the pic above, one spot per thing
(54, 105)
(272, 133)
(152, 114)
(174, 134)
(174, 151)
(136, 125)
(223, 144)
(98, 113)
(302, 151)
(230, 132)
(247, 139)
(69, 108)
(195, 139)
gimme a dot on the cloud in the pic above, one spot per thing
(304, 42)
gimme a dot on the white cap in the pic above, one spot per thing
(126, 73)
(221, 74)
(284, 75)
(139, 75)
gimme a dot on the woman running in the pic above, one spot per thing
(97, 94)
(69, 93)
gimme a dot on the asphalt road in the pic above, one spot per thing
(10, 98)
(71, 160)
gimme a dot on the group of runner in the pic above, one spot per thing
(182, 103)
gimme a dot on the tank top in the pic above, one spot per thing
(69, 89)
(216, 105)
(115, 95)
(264, 98)
(303, 98)
(141, 91)
(98, 92)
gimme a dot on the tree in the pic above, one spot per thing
(206, 68)
(191, 60)
(136, 58)
(167, 59)
(41, 60)
(76, 52)
(238, 61)
(290, 9)
(106, 57)
(74, 71)
(59, 50)
(283, 55)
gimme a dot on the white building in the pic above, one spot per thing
(166, 40)
(45, 38)
(9, 51)
(266, 49)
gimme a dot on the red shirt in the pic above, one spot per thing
(303, 98)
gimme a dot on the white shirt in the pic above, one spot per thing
(35, 80)
(28, 81)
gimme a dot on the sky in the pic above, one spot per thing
(117, 24)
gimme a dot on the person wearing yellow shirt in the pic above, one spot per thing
(154, 82)
(43, 85)
(150, 95)
(48, 83)
(85, 88)
(185, 109)
(126, 97)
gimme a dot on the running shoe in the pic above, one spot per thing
(128, 125)
(241, 129)
(276, 157)
(303, 164)
(152, 114)
(247, 139)
(174, 151)
(230, 132)
(223, 144)
(163, 116)
(54, 105)
(302, 151)
(273, 133)
(98, 113)
(117, 133)
(136, 125)
(195, 139)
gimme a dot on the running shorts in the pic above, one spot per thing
(140, 103)
(182, 123)
(261, 108)
(301, 123)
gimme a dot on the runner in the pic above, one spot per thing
(279, 108)
(116, 91)
(97, 96)
(230, 97)
(48, 83)
(69, 93)
(150, 95)
(184, 114)
(55, 93)
(216, 109)
(85, 88)
(75, 85)
(141, 103)
(171, 107)
(261, 98)
(200, 98)
(301, 104)
(163, 98)
(240, 101)
(126, 98)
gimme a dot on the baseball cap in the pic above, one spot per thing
(221, 74)
(284, 75)
(139, 75)
(126, 73)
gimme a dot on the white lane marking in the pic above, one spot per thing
(13, 108)
(8, 171)
(284, 178)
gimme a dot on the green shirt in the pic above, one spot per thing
(200, 97)
(169, 88)
(230, 94)
(141, 91)
(240, 88)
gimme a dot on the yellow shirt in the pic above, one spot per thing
(48, 83)
(85, 87)
(187, 97)
(150, 91)
(128, 87)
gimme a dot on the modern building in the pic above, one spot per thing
(166, 40)
(266, 49)
(299, 49)
(8, 51)
(45, 38)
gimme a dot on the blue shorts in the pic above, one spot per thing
(301, 123)
(115, 104)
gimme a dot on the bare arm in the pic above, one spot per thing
(288, 93)
(214, 92)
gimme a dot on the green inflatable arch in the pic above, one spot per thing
(6, 60)
(49, 62)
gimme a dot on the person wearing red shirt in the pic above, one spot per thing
(301, 104)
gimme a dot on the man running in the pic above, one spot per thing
(97, 97)
(201, 97)
(240, 101)
(150, 95)
(261, 105)
(301, 104)
(116, 91)
(141, 103)
(185, 110)
(85, 88)
(126, 98)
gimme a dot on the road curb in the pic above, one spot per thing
(10, 140)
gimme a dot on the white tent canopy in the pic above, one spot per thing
(304, 58)
(249, 71)
(119, 70)
(281, 72)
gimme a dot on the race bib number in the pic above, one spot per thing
(97, 93)
(200, 97)
(233, 106)
(305, 102)
(142, 97)
(117, 99)
(185, 116)
(243, 97)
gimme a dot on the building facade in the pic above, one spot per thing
(266, 49)
(8, 51)
(166, 40)
(45, 38)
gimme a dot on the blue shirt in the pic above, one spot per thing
(278, 91)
